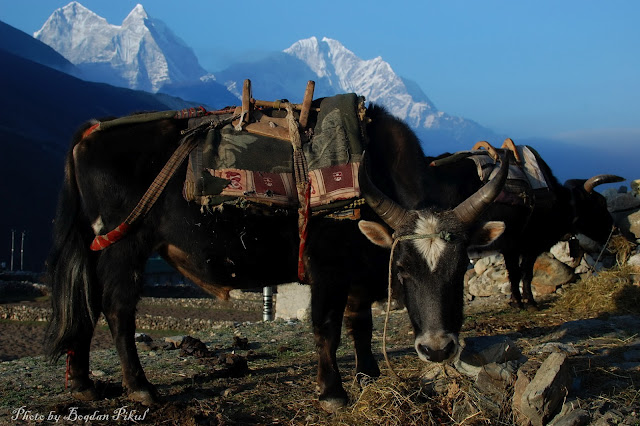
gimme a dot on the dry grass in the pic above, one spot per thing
(622, 248)
(439, 396)
(610, 291)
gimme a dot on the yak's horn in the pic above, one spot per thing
(391, 212)
(469, 210)
(599, 180)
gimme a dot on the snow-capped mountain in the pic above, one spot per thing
(376, 80)
(142, 53)
(373, 78)
(336, 69)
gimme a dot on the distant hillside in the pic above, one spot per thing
(22, 44)
(40, 109)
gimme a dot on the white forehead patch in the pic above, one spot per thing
(430, 248)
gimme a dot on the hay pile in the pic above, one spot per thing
(610, 291)
(444, 398)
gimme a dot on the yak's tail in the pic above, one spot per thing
(71, 268)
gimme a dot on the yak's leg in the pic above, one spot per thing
(527, 276)
(512, 263)
(359, 324)
(77, 376)
(122, 289)
(327, 309)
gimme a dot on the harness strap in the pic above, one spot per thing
(187, 144)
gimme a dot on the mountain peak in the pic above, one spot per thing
(374, 78)
(141, 54)
(137, 14)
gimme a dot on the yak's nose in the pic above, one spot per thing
(439, 349)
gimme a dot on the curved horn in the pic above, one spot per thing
(599, 180)
(469, 210)
(392, 213)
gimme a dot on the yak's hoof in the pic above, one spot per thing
(532, 307)
(516, 305)
(333, 405)
(365, 380)
(144, 397)
(86, 394)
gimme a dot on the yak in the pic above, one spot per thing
(107, 173)
(535, 219)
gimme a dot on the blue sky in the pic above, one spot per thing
(523, 68)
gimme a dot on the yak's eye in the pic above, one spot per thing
(401, 272)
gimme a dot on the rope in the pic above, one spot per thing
(386, 318)
(613, 228)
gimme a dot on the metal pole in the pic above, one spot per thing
(267, 304)
(22, 252)
(13, 246)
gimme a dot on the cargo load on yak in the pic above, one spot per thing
(277, 156)
(527, 183)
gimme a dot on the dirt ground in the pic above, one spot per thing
(270, 379)
(26, 338)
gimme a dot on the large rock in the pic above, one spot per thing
(622, 201)
(629, 223)
(625, 210)
(293, 302)
(487, 277)
(489, 283)
(549, 274)
(562, 252)
(540, 399)
(482, 350)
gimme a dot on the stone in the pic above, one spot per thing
(543, 397)
(587, 244)
(175, 341)
(142, 337)
(467, 276)
(571, 417)
(622, 201)
(487, 284)
(482, 350)
(494, 379)
(293, 302)
(634, 224)
(562, 252)
(481, 265)
(549, 274)
(550, 347)
(523, 377)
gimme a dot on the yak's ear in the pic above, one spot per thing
(487, 233)
(377, 233)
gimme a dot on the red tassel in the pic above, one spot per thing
(90, 130)
(103, 241)
(302, 274)
(70, 353)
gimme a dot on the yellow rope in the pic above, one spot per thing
(386, 319)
